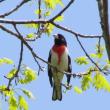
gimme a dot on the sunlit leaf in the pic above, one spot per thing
(22, 103)
(85, 83)
(82, 60)
(29, 75)
(5, 91)
(11, 73)
(59, 18)
(47, 13)
(5, 61)
(77, 90)
(28, 93)
(49, 29)
(13, 103)
(35, 26)
(100, 82)
(30, 36)
(53, 3)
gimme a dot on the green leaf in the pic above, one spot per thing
(77, 90)
(97, 55)
(11, 73)
(50, 4)
(29, 75)
(3, 89)
(100, 82)
(82, 60)
(53, 3)
(12, 103)
(28, 93)
(99, 49)
(47, 13)
(22, 103)
(5, 61)
(38, 12)
(59, 18)
(49, 29)
(30, 36)
(85, 83)
(35, 26)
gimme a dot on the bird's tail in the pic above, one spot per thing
(57, 92)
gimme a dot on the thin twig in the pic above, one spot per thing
(74, 33)
(89, 56)
(20, 60)
(14, 9)
(62, 11)
(36, 56)
(44, 22)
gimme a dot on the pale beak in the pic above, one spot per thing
(55, 36)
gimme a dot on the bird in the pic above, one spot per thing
(60, 59)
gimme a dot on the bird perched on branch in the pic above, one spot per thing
(59, 58)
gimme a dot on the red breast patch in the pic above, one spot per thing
(59, 50)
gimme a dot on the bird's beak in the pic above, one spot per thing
(55, 36)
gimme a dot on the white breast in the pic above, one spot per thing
(63, 66)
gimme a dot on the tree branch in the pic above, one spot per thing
(23, 21)
(103, 12)
(89, 56)
(19, 65)
(14, 9)
(62, 11)
(36, 56)
(74, 33)
(44, 22)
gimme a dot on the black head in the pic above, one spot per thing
(59, 39)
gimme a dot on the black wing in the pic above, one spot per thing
(69, 70)
(49, 70)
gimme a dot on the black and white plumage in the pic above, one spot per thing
(59, 58)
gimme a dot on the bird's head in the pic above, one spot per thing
(59, 39)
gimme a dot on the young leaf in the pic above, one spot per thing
(5, 61)
(53, 3)
(77, 90)
(29, 75)
(49, 29)
(28, 93)
(22, 103)
(35, 26)
(47, 13)
(3, 89)
(30, 36)
(85, 83)
(11, 73)
(82, 60)
(60, 18)
(12, 103)
(100, 82)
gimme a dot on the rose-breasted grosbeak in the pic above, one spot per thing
(59, 58)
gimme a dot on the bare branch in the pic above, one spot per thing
(20, 60)
(62, 11)
(46, 21)
(89, 56)
(74, 33)
(22, 21)
(15, 9)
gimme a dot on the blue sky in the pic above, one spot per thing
(81, 17)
